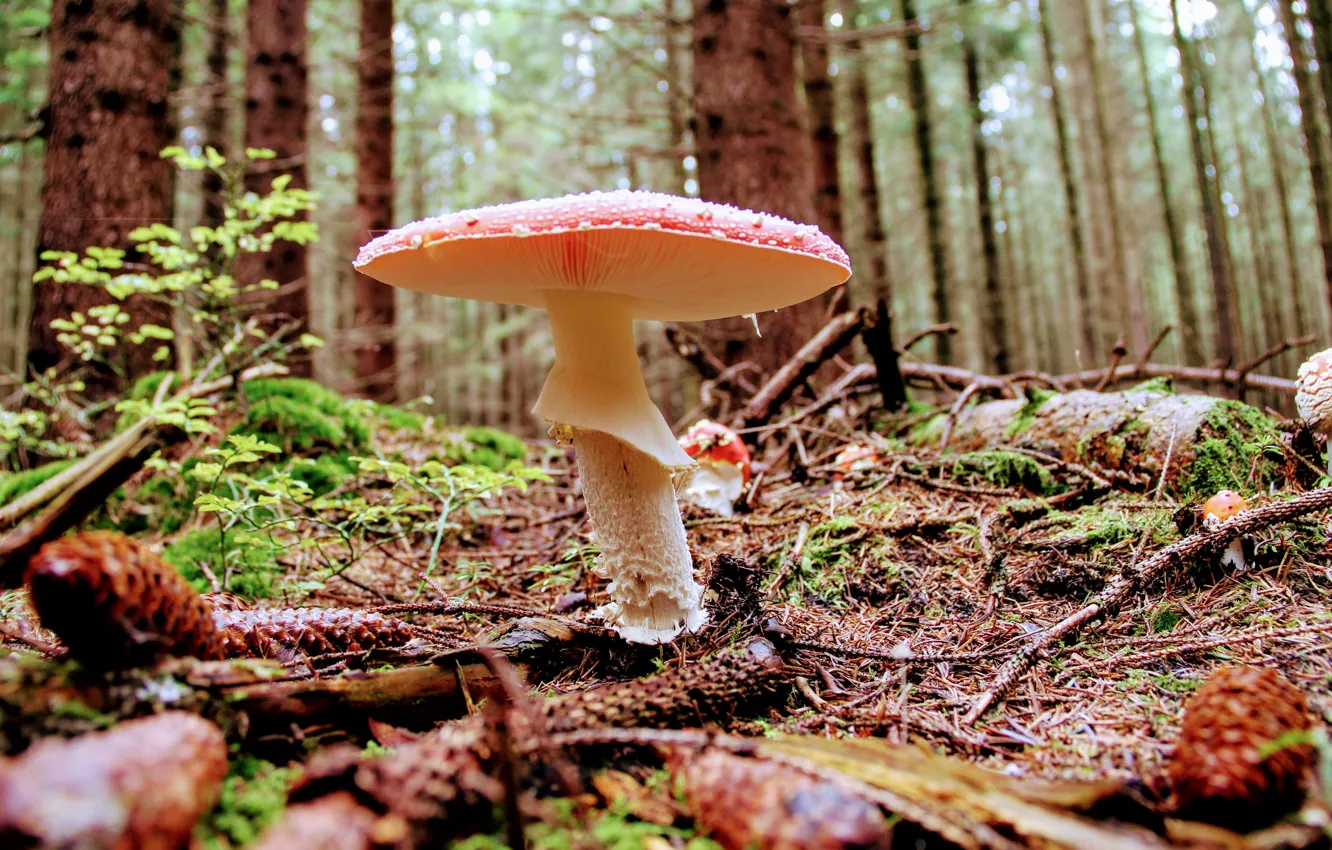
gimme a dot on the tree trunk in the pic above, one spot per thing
(1277, 165)
(276, 113)
(1227, 341)
(1313, 136)
(1186, 302)
(918, 95)
(1319, 13)
(992, 309)
(376, 356)
(677, 98)
(1076, 235)
(215, 129)
(1122, 282)
(819, 97)
(869, 215)
(107, 121)
(753, 149)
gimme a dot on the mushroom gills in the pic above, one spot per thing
(636, 525)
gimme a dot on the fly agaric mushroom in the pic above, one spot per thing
(723, 466)
(1217, 510)
(1313, 395)
(596, 262)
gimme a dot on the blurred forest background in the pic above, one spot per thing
(1052, 176)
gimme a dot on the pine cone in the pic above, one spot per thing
(280, 632)
(1218, 769)
(220, 600)
(143, 784)
(712, 690)
(751, 803)
(115, 604)
(335, 822)
(441, 786)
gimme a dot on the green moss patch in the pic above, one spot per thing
(254, 568)
(16, 484)
(1238, 448)
(490, 447)
(1008, 469)
(1036, 399)
(253, 795)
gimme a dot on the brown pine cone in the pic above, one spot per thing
(141, 784)
(220, 600)
(442, 786)
(281, 632)
(712, 690)
(115, 604)
(1218, 770)
(751, 803)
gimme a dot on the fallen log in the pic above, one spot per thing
(1195, 444)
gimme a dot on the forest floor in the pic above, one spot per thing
(896, 594)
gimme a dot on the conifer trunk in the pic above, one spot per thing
(276, 113)
(993, 313)
(376, 356)
(1226, 343)
(1186, 302)
(215, 116)
(1313, 137)
(819, 98)
(754, 150)
(106, 122)
(1085, 308)
(918, 95)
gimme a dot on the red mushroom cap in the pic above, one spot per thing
(712, 442)
(678, 258)
(1224, 505)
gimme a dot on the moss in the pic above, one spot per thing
(254, 569)
(1238, 448)
(1036, 399)
(1164, 385)
(303, 414)
(1164, 620)
(928, 431)
(1099, 527)
(146, 387)
(490, 447)
(16, 484)
(1008, 469)
(253, 795)
(397, 419)
(324, 473)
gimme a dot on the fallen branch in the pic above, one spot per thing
(1134, 580)
(823, 345)
(928, 374)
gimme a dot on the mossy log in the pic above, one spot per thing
(1199, 443)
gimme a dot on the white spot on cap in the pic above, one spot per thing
(417, 240)
(522, 230)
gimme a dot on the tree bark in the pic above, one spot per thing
(215, 119)
(1277, 164)
(1227, 341)
(1076, 235)
(1313, 136)
(819, 98)
(376, 357)
(1319, 13)
(677, 97)
(276, 113)
(918, 94)
(1121, 280)
(753, 149)
(995, 320)
(107, 121)
(1186, 302)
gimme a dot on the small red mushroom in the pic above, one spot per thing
(855, 458)
(1217, 510)
(723, 466)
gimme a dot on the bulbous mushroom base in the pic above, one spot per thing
(636, 524)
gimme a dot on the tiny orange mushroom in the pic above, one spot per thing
(1218, 509)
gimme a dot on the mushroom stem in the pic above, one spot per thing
(596, 381)
(631, 501)
(626, 454)
(1234, 555)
